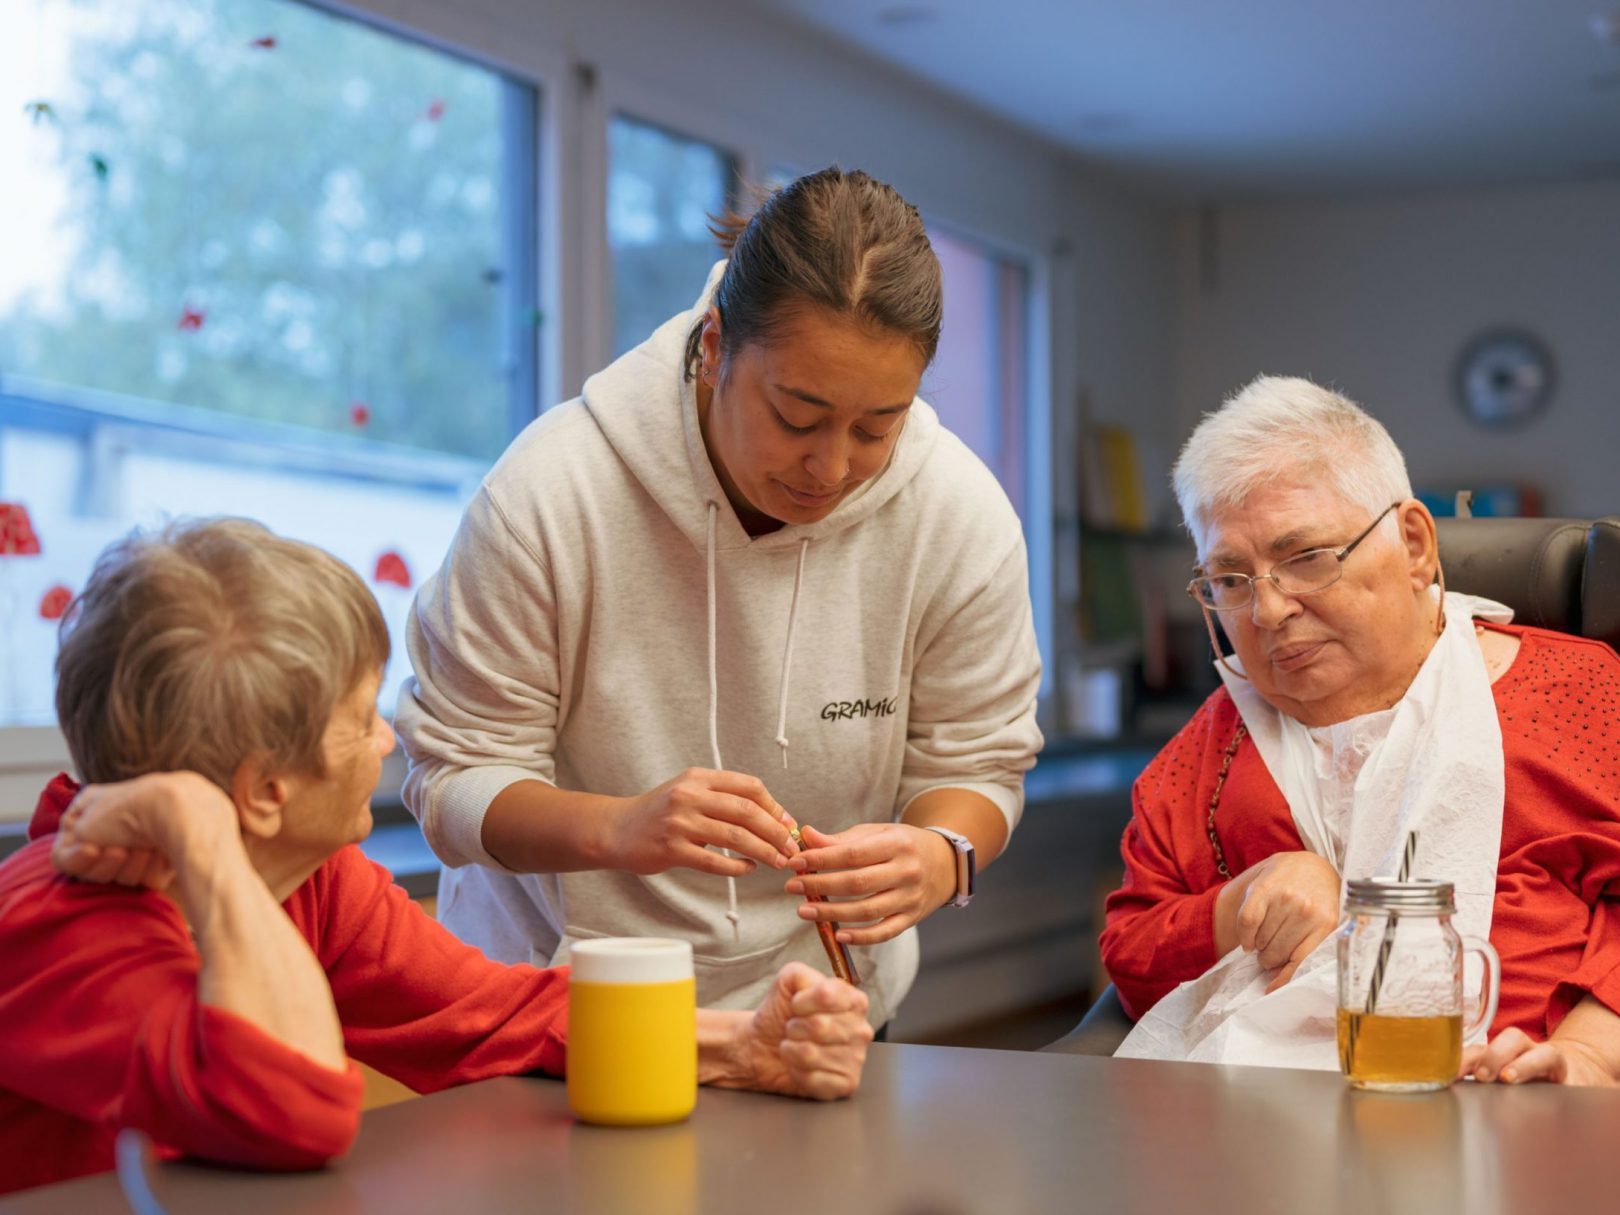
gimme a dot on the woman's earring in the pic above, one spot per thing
(1440, 615)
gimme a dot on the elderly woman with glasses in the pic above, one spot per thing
(1362, 708)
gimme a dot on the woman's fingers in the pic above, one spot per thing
(1513, 1057)
(824, 1042)
(859, 911)
(134, 869)
(106, 866)
(1501, 1051)
(885, 929)
(823, 1073)
(740, 825)
(1306, 946)
(828, 852)
(849, 883)
(814, 994)
(72, 855)
(683, 855)
(1250, 916)
(826, 1027)
(1271, 937)
(1543, 1061)
(750, 787)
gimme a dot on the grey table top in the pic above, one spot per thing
(943, 1131)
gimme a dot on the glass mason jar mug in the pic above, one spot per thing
(1400, 1018)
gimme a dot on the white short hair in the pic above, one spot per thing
(1282, 430)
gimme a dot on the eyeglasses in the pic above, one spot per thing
(1311, 571)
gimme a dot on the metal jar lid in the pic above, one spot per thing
(1416, 896)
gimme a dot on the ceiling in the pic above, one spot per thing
(1236, 99)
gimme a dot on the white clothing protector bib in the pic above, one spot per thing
(1432, 763)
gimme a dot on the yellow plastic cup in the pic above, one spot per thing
(632, 1031)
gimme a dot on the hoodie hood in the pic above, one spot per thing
(663, 446)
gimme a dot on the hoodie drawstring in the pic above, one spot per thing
(787, 652)
(732, 913)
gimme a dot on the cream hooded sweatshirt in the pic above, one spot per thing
(602, 622)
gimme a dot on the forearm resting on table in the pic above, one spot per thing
(966, 813)
(254, 962)
(533, 827)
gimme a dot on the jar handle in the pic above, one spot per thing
(1490, 990)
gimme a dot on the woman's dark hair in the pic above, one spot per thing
(845, 242)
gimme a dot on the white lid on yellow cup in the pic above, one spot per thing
(631, 960)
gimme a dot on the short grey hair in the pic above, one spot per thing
(209, 641)
(1283, 430)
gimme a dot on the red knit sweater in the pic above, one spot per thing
(1556, 919)
(101, 1025)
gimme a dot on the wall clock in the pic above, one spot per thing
(1504, 377)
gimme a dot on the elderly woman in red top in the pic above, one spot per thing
(1361, 703)
(227, 949)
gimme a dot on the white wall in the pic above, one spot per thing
(1378, 296)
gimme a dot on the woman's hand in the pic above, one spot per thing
(807, 1039)
(1584, 1049)
(888, 876)
(132, 833)
(1280, 908)
(1514, 1057)
(679, 823)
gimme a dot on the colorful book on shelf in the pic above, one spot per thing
(1111, 479)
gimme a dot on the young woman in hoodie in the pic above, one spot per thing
(745, 580)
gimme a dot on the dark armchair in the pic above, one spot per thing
(1561, 574)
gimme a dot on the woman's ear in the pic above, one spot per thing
(1422, 543)
(709, 347)
(261, 795)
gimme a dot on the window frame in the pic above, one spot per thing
(1035, 510)
(534, 228)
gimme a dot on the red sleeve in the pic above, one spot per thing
(98, 997)
(416, 1003)
(1599, 971)
(1160, 926)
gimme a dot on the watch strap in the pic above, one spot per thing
(965, 864)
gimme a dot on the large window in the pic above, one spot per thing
(268, 262)
(979, 380)
(980, 384)
(662, 189)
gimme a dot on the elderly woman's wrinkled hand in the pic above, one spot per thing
(807, 1039)
(1514, 1057)
(1281, 909)
(134, 832)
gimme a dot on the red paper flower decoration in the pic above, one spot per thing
(267, 43)
(391, 568)
(435, 110)
(359, 413)
(191, 319)
(53, 605)
(17, 538)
